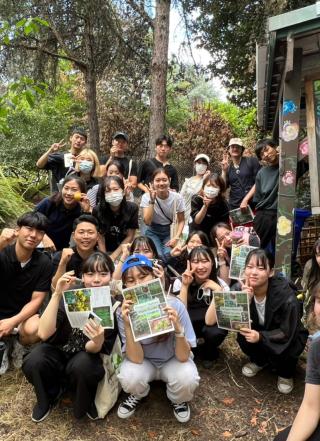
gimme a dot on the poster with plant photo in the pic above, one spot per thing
(241, 216)
(233, 310)
(147, 316)
(238, 258)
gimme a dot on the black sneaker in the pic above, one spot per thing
(181, 412)
(39, 414)
(128, 407)
(92, 412)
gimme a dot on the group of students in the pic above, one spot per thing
(94, 239)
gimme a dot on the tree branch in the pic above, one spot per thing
(141, 12)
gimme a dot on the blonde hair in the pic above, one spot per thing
(96, 173)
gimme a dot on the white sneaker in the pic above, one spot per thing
(17, 354)
(251, 369)
(285, 385)
(5, 362)
(181, 412)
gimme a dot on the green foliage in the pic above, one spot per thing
(12, 204)
(32, 129)
(229, 30)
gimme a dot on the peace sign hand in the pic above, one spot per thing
(57, 146)
(187, 276)
(225, 162)
(152, 192)
(221, 250)
(245, 286)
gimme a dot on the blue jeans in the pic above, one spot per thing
(160, 234)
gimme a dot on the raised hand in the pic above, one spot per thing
(187, 276)
(152, 192)
(245, 286)
(94, 332)
(57, 146)
(8, 236)
(174, 317)
(66, 255)
(222, 253)
(225, 162)
(65, 282)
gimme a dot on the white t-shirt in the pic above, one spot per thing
(167, 205)
(261, 310)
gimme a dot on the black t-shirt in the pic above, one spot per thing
(125, 162)
(60, 221)
(313, 365)
(241, 180)
(17, 283)
(114, 226)
(150, 165)
(56, 165)
(217, 212)
(74, 264)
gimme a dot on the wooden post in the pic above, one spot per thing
(289, 135)
(312, 88)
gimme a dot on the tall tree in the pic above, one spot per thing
(90, 33)
(229, 30)
(159, 67)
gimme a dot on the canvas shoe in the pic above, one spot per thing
(39, 414)
(251, 369)
(128, 407)
(285, 385)
(181, 411)
(5, 362)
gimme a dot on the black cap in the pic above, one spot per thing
(79, 131)
(121, 135)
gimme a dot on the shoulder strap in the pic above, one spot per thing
(130, 167)
(167, 217)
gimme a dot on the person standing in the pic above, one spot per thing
(239, 173)
(193, 185)
(161, 160)
(57, 161)
(119, 147)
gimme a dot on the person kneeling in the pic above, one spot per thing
(277, 336)
(66, 354)
(166, 357)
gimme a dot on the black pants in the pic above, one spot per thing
(283, 435)
(265, 225)
(284, 364)
(213, 337)
(47, 367)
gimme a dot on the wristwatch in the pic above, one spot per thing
(180, 334)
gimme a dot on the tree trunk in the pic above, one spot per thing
(90, 76)
(91, 97)
(159, 67)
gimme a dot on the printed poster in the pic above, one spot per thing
(241, 216)
(148, 319)
(233, 310)
(238, 258)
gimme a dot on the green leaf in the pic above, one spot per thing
(21, 23)
(29, 97)
(41, 21)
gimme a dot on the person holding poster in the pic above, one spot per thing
(198, 282)
(277, 336)
(69, 355)
(166, 357)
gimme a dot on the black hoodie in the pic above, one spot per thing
(283, 331)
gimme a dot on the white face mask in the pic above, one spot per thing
(201, 169)
(114, 198)
(211, 192)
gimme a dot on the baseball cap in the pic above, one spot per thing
(235, 141)
(202, 156)
(135, 260)
(121, 135)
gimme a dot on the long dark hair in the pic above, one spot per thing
(144, 241)
(203, 237)
(57, 197)
(314, 275)
(103, 208)
(98, 261)
(205, 252)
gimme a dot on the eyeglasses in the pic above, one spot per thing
(204, 294)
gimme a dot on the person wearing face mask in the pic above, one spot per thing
(209, 206)
(193, 185)
(88, 167)
(118, 218)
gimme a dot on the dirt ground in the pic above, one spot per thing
(227, 406)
